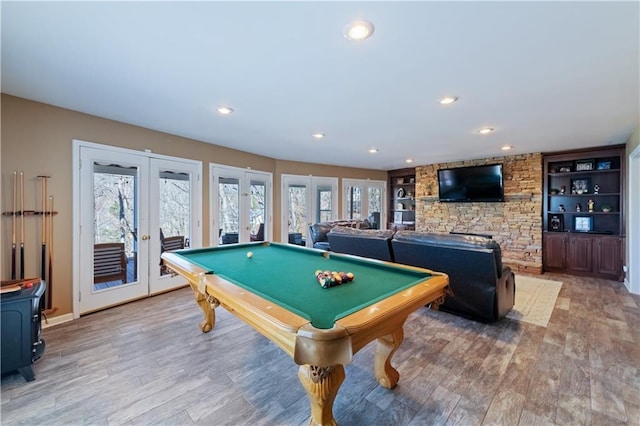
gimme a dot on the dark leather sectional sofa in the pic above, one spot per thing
(483, 288)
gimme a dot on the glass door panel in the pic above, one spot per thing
(325, 203)
(354, 202)
(228, 210)
(257, 209)
(174, 195)
(376, 197)
(115, 190)
(298, 211)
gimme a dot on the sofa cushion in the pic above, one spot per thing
(374, 244)
(455, 241)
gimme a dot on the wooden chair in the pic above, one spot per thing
(172, 243)
(109, 263)
(168, 244)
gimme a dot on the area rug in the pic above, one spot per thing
(535, 299)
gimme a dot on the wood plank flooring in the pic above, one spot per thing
(147, 363)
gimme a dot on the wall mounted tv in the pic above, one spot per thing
(468, 184)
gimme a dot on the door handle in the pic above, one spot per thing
(145, 237)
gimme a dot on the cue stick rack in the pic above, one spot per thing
(18, 214)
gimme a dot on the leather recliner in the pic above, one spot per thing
(483, 288)
(319, 231)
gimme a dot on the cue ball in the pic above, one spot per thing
(249, 254)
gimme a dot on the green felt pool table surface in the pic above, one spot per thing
(285, 275)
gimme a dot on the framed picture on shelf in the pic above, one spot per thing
(582, 165)
(397, 217)
(583, 223)
(580, 186)
(401, 193)
(604, 165)
(556, 222)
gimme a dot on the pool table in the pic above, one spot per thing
(275, 291)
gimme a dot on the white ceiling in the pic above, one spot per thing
(547, 76)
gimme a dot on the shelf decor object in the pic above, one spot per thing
(585, 165)
(556, 222)
(583, 223)
(580, 186)
(604, 165)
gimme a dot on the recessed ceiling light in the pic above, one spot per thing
(409, 160)
(486, 130)
(506, 147)
(358, 30)
(225, 110)
(374, 150)
(447, 100)
(318, 135)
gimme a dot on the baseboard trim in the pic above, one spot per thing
(60, 319)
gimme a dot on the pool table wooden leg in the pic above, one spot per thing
(321, 384)
(209, 313)
(387, 375)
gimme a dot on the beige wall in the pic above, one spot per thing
(37, 139)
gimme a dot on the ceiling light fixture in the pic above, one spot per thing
(318, 135)
(409, 160)
(447, 100)
(486, 130)
(358, 30)
(506, 147)
(374, 150)
(225, 110)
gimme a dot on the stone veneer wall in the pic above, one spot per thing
(515, 224)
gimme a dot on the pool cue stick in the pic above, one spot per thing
(49, 301)
(21, 225)
(13, 226)
(43, 263)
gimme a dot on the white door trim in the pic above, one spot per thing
(632, 280)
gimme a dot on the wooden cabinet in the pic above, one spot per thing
(554, 251)
(402, 202)
(608, 257)
(583, 212)
(580, 254)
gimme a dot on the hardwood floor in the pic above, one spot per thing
(148, 363)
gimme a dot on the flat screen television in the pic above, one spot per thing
(468, 184)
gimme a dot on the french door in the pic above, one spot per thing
(240, 205)
(365, 199)
(306, 200)
(130, 206)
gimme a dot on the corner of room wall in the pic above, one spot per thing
(515, 224)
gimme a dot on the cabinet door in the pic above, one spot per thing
(581, 253)
(555, 251)
(608, 259)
